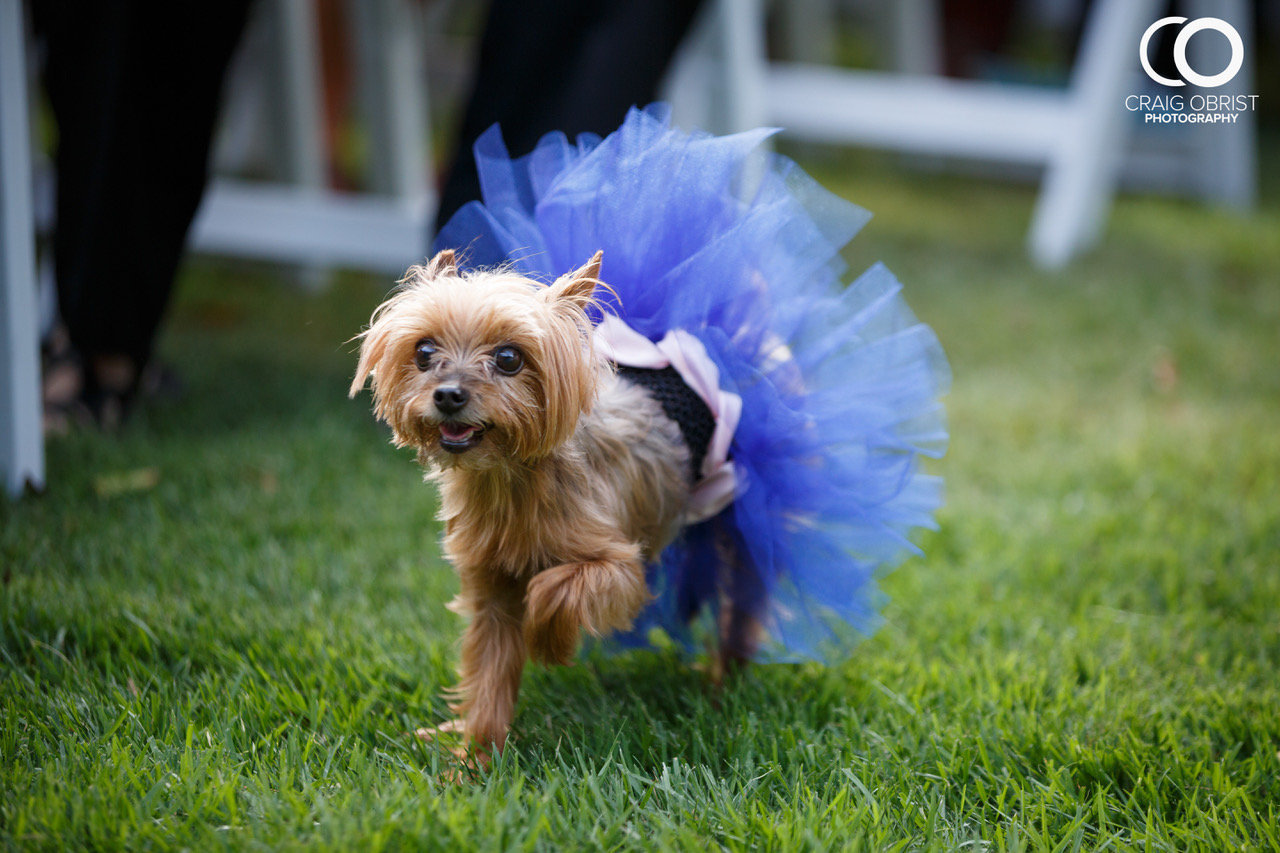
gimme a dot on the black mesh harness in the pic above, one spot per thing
(680, 403)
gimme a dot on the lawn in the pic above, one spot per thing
(217, 626)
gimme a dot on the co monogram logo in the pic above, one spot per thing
(1189, 74)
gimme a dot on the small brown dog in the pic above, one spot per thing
(559, 479)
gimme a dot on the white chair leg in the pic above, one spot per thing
(1081, 174)
(1225, 156)
(695, 72)
(741, 32)
(21, 439)
(299, 83)
(917, 36)
(389, 44)
(301, 150)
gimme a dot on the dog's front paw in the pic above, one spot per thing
(473, 757)
(552, 614)
(451, 727)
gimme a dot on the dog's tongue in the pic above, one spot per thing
(456, 432)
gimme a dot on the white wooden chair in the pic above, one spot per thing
(1080, 135)
(298, 219)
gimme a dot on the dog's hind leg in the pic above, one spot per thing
(742, 598)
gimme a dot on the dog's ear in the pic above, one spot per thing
(577, 288)
(373, 344)
(386, 324)
(568, 364)
(444, 263)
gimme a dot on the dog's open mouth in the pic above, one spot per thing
(458, 437)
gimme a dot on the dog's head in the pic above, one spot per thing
(480, 367)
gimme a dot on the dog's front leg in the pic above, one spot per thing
(493, 654)
(601, 595)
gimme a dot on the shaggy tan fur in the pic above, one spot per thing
(576, 481)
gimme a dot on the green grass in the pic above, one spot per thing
(216, 628)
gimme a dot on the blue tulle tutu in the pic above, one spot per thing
(839, 384)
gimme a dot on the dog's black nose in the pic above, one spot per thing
(450, 399)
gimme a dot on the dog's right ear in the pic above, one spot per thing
(444, 263)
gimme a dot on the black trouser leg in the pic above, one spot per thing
(568, 65)
(135, 87)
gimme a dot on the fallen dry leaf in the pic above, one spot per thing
(124, 482)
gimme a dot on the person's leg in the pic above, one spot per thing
(574, 66)
(135, 88)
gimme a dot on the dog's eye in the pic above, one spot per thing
(423, 352)
(508, 360)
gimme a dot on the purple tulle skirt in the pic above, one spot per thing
(839, 384)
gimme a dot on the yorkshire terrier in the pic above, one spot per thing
(560, 476)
